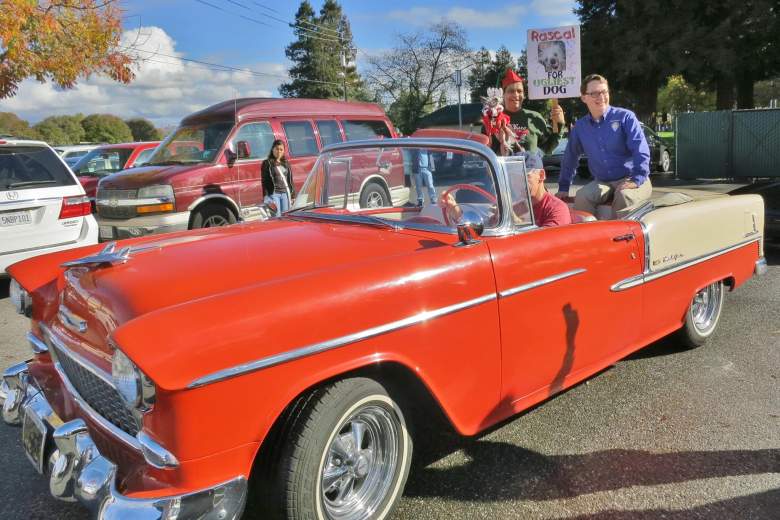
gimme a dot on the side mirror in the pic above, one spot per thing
(230, 157)
(243, 150)
(470, 228)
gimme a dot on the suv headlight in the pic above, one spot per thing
(158, 191)
(20, 298)
(135, 389)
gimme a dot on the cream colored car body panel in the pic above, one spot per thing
(681, 233)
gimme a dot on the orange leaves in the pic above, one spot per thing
(61, 41)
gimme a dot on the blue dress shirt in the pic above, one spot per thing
(615, 145)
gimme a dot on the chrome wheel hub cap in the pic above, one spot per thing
(375, 200)
(360, 464)
(215, 221)
(704, 309)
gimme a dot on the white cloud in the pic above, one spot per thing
(507, 16)
(553, 8)
(165, 89)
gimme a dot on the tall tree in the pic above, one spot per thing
(411, 76)
(61, 41)
(105, 128)
(323, 55)
(487, 72)
(143, 129)
(680, 96)
(61, 129)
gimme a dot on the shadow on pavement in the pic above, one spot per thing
(759, 505)
(516, 473)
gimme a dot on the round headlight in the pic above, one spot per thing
(127, 378)
(20, 298)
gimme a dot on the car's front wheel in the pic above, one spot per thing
(374, 196)
(347, 455)
(702, 316)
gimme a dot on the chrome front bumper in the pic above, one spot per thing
(78, 472)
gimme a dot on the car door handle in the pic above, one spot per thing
(621, 238)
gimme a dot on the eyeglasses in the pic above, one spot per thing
(597, 94)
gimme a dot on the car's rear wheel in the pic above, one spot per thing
(702, 316)
(347, 455)
(212, 215)
(374, 195)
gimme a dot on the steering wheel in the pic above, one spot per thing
(468, 187)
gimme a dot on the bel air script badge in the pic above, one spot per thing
(668, 258)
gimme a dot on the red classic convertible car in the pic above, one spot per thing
(289, 364)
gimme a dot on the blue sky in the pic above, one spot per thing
(167, 89)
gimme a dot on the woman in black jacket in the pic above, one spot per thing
(276, 176)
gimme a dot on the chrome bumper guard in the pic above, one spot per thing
(78, 472)
(761, 266)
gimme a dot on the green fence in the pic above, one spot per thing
(728, 144)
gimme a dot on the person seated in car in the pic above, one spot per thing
(548, 210)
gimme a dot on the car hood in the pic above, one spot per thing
(166, 273)
(134, 178)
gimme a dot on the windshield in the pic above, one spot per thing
(29, 167)
(406, 185)
(192, 144)
(102, 161)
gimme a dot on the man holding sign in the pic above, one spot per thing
(527, 130)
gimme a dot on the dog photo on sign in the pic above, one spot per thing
(552, 56)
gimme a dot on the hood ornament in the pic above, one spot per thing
(107, 257)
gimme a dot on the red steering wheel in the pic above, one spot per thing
(468, 187)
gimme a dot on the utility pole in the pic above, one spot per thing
(344, 69)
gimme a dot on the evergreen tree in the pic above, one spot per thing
(488, 72)
(317, 52)
(105, 128)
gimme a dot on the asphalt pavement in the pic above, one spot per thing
(663, 434)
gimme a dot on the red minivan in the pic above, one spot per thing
(207, 172)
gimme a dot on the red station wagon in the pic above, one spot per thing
(207, 173)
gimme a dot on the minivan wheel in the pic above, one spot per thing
(347, 455)
(212, 215)
(374, 196)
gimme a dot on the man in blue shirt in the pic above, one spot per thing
(618, 155)
(422, 167)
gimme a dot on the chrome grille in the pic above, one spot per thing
(109, 211)
(100, 395)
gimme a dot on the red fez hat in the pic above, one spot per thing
(510, 77)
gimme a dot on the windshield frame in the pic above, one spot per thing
(506, 225)
(124, 154)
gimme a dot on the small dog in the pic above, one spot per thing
(552, 55)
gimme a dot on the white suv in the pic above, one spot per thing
(43, 208)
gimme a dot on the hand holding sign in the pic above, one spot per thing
(554, 66)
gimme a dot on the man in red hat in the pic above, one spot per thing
(527, 130)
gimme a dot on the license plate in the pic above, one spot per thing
(17, 218)
(106, 232)
(34, 438)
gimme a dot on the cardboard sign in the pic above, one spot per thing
(554, 62)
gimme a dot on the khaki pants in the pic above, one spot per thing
(623, 201)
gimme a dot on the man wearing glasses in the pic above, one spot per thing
(618, 154)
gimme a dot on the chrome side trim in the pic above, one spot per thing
(16, 202)
(154, 453)
(539, 283)
(649, 277)
(317, 348)
(71, 320)
(38, 248)
(37, 345)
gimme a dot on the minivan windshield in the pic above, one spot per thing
(192, 144)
